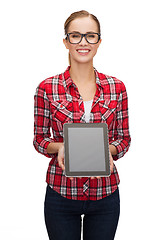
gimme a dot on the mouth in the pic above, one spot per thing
(83, 51)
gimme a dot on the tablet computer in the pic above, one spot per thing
(86, 149)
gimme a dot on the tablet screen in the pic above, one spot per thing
(86, 149)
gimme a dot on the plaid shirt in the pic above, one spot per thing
(58, 101)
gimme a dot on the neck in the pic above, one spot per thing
(82, 73)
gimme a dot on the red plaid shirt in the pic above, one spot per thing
(58, 101)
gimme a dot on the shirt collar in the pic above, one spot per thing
(67, 81)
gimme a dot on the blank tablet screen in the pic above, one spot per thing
(86, 149)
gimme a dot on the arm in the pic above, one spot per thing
(42, 136)
(122, 137)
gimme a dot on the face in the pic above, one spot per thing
(82, 52)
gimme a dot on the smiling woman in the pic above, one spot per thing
(80, 95)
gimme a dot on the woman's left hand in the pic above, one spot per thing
(111, 162)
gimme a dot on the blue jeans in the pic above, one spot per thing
(63, 217)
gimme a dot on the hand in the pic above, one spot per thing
(95, 177)
(111, 162)
(60, 157)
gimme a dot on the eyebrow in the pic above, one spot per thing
(85, 33)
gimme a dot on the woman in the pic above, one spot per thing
(81, 94)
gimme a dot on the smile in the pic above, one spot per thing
(83, 50)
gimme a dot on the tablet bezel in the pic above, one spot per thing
(69, 173)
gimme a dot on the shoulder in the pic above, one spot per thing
(51, 86)
(49, 83)
(112, 81)
(48, 89)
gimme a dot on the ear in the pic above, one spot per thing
(99, 42)
(65, 43)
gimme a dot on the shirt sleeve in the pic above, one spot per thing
(42, 135)
(122, 137)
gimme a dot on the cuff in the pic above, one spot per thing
(119, 148)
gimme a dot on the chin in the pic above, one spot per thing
(84, 61)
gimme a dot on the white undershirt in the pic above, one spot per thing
(87, 108)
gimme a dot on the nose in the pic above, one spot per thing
(83, 41)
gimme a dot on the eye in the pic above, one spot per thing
(75, 35)
(91, 35)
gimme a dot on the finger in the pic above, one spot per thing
(98, 177)
(112, 169)
(111, 163)
(60, 158)
(111, 166)
(95, 177)
(92, 177)
(61, 165)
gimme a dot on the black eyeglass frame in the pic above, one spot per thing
(83, 35)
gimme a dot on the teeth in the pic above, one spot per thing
(83, 51)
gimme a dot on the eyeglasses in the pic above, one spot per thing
(75, 38)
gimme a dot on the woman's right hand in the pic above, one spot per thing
(61, 156)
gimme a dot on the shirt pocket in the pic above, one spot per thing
(108, 111)
(61, 112)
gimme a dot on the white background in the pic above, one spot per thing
(31, 50)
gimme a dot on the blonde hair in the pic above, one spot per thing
(79, 14)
